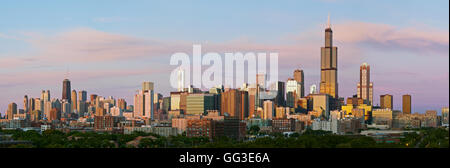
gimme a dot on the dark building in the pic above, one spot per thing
(244, 105)
(290, 100)
(234, 128)
(281, 89)
(66, 90)
(355, 101)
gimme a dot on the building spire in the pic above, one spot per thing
(66, 75)
(328, 23)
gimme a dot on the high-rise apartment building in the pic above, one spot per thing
(364, 86)
(231, 103)
(328, 65)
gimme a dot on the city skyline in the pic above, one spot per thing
(104, 75)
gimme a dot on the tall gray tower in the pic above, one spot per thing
(328, 65)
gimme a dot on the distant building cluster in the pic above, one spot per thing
(229, 112)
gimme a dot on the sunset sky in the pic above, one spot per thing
(110, 47)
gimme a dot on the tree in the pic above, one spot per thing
(254, 130)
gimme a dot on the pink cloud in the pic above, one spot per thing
(388, 36)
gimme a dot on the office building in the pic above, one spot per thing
(12, 110)
(25, 103)
(147, 86)
(82, 95)
(386, 101)
(231, 103)
(281, 89)
(66, 90)
(328, 65)
(406, 104)
(321, 104)
(444, 116)
(199, 103)
(268, 110)
(364, 86)
(45, 95)
(205, 127)
(299, 77)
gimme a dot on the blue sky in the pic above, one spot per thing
(36, 37)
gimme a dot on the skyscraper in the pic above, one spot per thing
(299, 77)
(406, 104)
(364, 86)
(281, 89)
(386, 101)
(74, 100)
(66, 90)
(328, 62)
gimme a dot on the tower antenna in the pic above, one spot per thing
(66, 75)
(328, 23)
